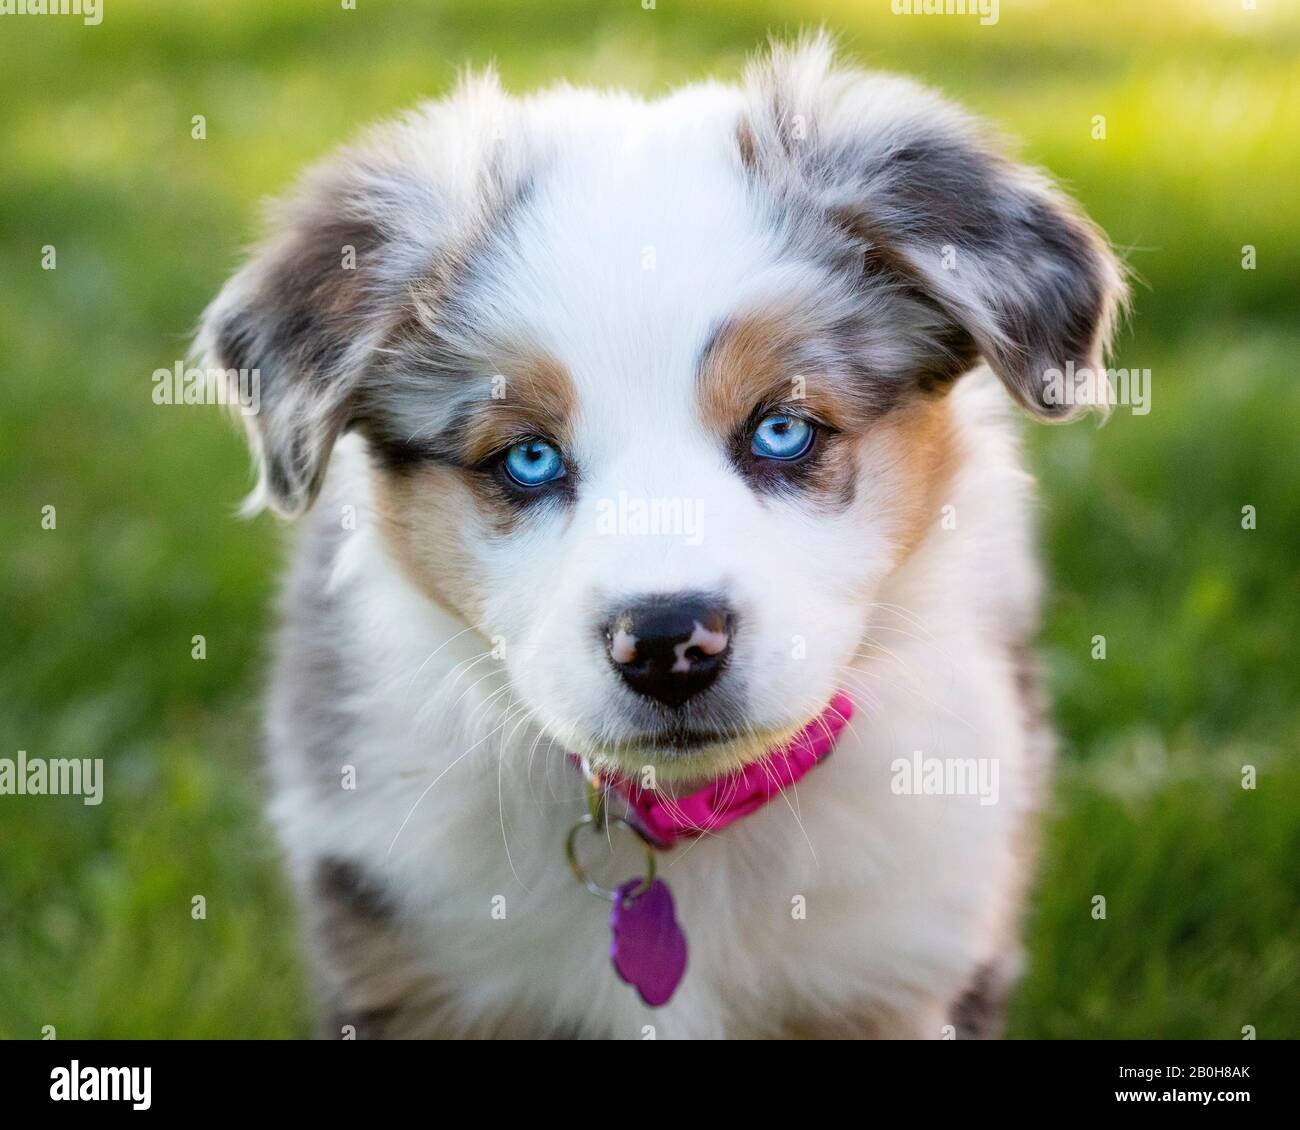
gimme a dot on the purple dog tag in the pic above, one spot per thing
(648, 948)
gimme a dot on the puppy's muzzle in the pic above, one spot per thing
(670, 648)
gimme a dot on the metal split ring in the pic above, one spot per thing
(599, 826)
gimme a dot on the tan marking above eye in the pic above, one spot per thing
(539, 399)
(745, 364)
(759, 360)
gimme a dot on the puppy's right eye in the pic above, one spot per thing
(534, 463)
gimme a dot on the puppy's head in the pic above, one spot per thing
(655, 392)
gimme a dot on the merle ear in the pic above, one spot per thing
(307, 312)
(1026, 279)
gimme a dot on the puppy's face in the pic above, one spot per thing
(669, 498)
(654, 393)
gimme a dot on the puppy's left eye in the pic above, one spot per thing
(783, 437)
(534, 463)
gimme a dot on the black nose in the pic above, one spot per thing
(670, 648)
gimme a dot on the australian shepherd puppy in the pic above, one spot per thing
(636, 444)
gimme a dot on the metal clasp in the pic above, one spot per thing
(600, 822)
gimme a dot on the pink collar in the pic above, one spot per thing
(648, 946)
(664, 820)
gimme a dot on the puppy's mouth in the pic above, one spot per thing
(690, 756)
(678, 740)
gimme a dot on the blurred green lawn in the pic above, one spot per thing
(1141, 518)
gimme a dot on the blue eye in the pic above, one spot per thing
(534, 463)
(782, 437)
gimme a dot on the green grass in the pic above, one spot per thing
(1141, 518)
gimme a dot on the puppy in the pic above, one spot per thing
(627, 436)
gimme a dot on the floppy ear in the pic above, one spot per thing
(1022, 276)
(335, 279)
(306, 313)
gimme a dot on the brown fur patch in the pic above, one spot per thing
(429, 516)
(539, 400)
(754, 363)
(758, 359)
(768, 359)
(431, 513)
(747, 145)
(916, 448)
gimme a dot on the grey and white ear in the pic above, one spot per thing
(1022, 276)
(304, 316)
(312, 308)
